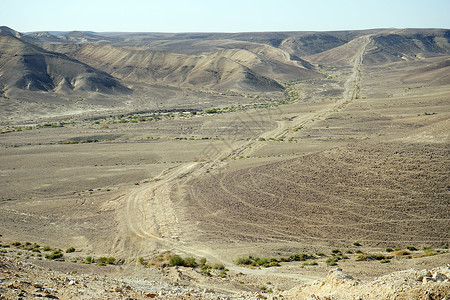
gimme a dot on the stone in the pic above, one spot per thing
(38, 285)
(439, 277)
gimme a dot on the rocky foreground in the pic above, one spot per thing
(23, 280)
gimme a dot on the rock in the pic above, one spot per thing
(71, 282)
(438, 277)
(38, 285)
(428, 279)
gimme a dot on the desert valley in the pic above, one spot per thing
(266, 165)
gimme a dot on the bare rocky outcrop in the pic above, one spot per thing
(408, 284)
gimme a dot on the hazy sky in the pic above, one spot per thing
(221, 16)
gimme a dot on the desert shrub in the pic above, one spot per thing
(357, 244)
(110, 260)
(202, 261)
(336, 252)
(89, 259)
(223, 274)
(101, 261)
(243, 260)
(385, 261)
(206, 271)
(218, 266)
(313, 263)
(190, 262)
(211, 111)
(401, 253)
(141, 260)
(299, 257)
(389, 250)
(34, 248)
(332, 261)
(16, 244)
(176, 260)
(260, 261)
(411, 248)
(429, 252)
(274, 264)
(367, 257)
(55, 255)
(70, 250)
(165, 256)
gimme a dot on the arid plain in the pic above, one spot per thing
(226, 147)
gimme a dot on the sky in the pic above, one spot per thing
(221, 16)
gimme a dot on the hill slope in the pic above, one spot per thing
(28, 67)
(227, 69)
(390, 46)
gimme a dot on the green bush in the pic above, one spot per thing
(89, 259)
(223, 274)
(110, 260)
(299, 257)
(70, 250)
(411, 248)
(190, 262)
(176, 260)
(429, 252)
(260, 261)
(55, 255)
(332, 261)
(211, 111)
(103, 261)
(362, 257)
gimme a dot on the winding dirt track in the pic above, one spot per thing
(148, 221)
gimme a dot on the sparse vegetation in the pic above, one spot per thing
(332, 261)
(176, 260)
(55, 255)
(103, 261)
(373, 256)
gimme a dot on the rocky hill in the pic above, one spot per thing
(28, 67)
